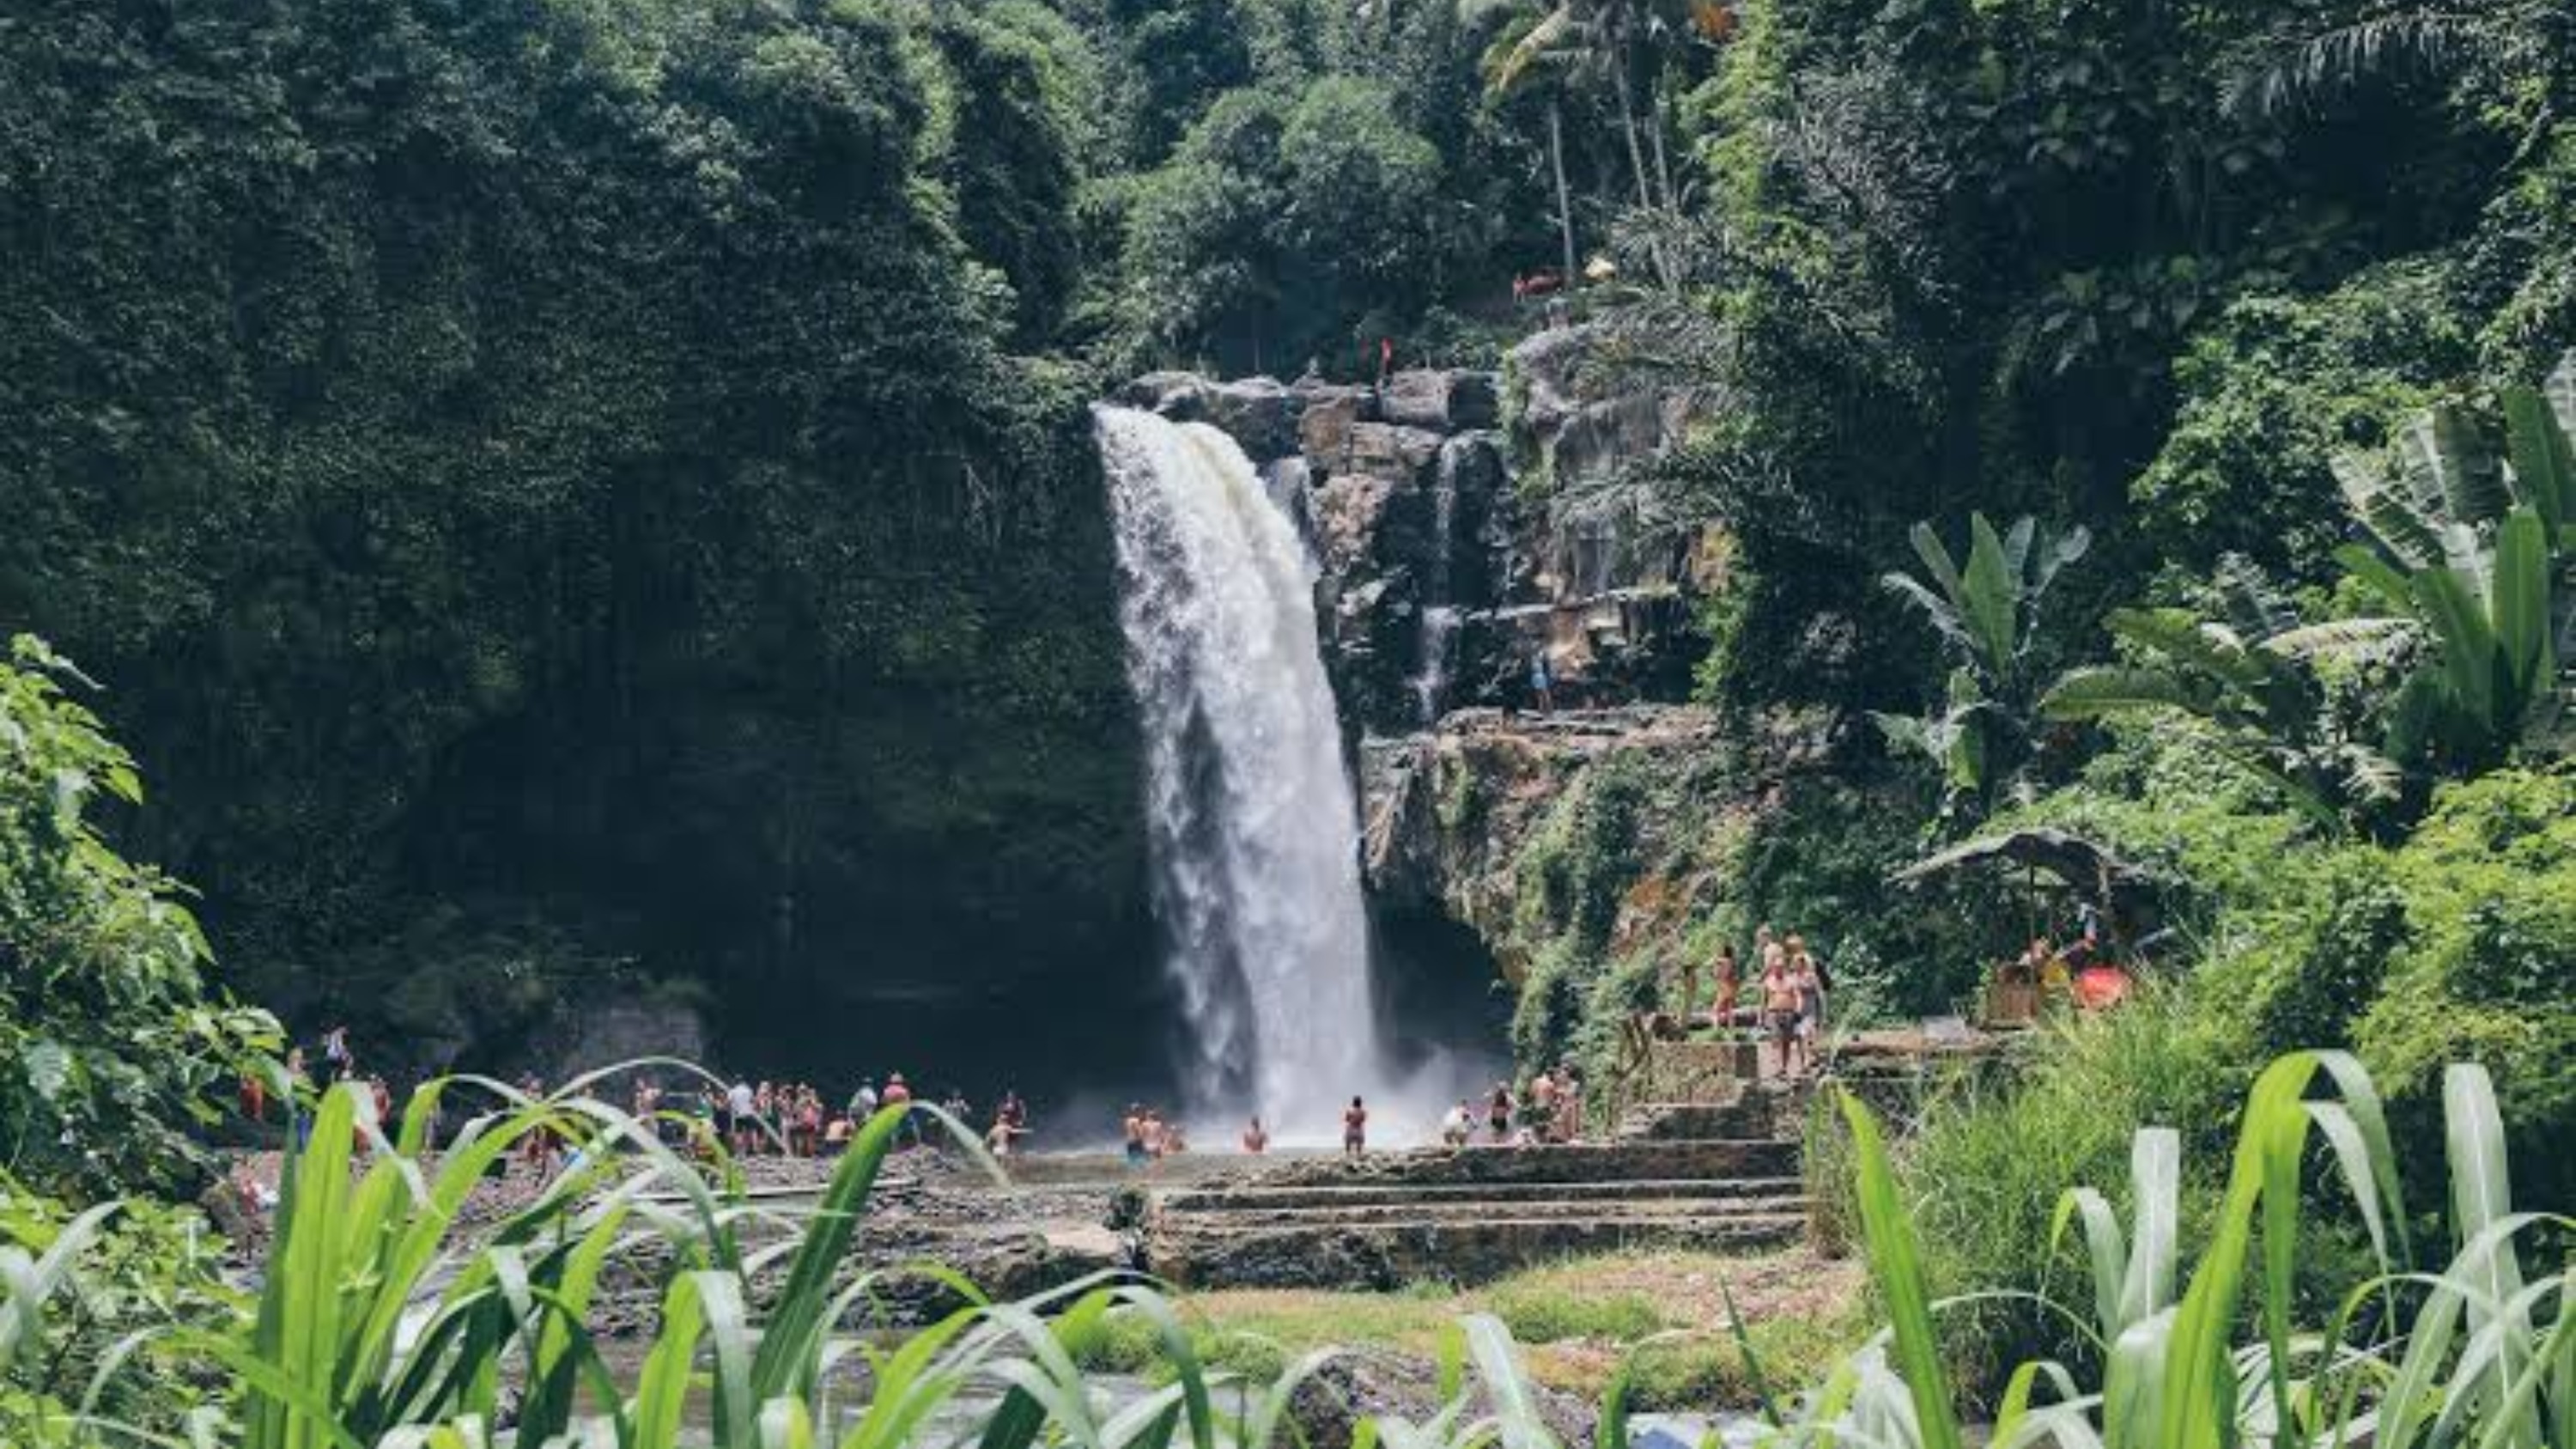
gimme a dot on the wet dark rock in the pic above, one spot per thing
(1378, 1382)
(1258, 413)
(1445, 400)
(1324, 427)
(1548, 367)
(1386, 450)
(1180, 396)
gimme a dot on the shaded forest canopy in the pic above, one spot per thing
(596, 497)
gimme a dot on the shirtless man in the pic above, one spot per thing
(1779, 1002)
(1134, 1128)
(1355, 1129)
(1256, 1138)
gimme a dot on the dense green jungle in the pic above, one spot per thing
(568, 529)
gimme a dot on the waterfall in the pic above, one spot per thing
(1250, 816)
(1438, 632)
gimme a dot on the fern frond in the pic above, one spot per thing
(2320, 69)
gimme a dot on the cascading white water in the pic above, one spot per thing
(1250, 816)
(1438, 632)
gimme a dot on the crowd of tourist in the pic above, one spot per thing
(793, 1119)
(788, 1119)
(1150, 1136)
(1549, 1108)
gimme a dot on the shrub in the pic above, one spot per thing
(2490, 886)
(1990, 1159)
(109, 1043)
(2316, 962)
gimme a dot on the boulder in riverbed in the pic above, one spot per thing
(1377, 1382)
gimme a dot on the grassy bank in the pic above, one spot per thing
(1578, 1321)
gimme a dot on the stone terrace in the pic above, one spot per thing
(1692, 1176)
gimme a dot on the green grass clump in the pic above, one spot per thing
(1540, 1312)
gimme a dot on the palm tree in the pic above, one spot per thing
(1508, 71)
(1590, 39)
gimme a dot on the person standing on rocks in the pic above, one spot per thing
(1498, 1113)
(742, 1124)
(1355, 1130)
(1256, 1139)
(338, 1064)
(899, 1094)
(1134, 1128)
(1542, 683)
(1779, 1003)
(1810, 980)
(1721, 1011)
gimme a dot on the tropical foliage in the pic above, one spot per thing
(2457, 1343)
(2473, 561)
(108, 1048)
(1987, 613)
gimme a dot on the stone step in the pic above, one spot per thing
(1431, 1195)
(1575, 1162)
(1256, 1218)
(1390, 1255)
(1696, 1121)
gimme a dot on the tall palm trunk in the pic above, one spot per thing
(1564, 193)
(1637, 160)
(1655, 133)
(1628, 128)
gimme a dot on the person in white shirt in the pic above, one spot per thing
(1458, 1126)
(741, 1106)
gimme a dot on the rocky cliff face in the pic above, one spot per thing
(1464, 525)
(1468, 522)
